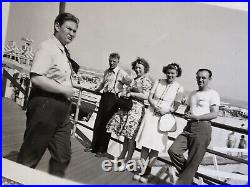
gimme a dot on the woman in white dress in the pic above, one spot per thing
(164, 98)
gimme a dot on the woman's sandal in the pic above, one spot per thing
(144, 178)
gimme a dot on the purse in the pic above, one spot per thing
(124, 103)
(167, 123)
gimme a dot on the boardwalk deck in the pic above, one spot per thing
(84, 167)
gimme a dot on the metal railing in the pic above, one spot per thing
(25, 91)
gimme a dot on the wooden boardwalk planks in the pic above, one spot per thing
(84, 167)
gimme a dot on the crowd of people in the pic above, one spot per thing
(147, 109)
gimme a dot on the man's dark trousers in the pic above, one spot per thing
(107, 108)
(47, 126)
(195, 138)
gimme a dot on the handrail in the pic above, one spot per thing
(214, 124)
(221, 154)
(235, 129)
(220, 125)
(13, 80)
(13, 64)
(89, 90)
(227, 156)
(25, 92)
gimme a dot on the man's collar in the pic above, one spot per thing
(204, 89)
(58, 43)
(115, 70)
(142, 76)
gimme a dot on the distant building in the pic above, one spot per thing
(227, 110)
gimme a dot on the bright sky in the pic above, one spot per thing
(191, 34)
(195, 35)
(233, 5)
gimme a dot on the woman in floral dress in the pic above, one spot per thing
(127, 123)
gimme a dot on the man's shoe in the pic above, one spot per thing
(102, 155)
(136, 177)
(98, 154)
(144, 180)
(123, 167)
(172, 173)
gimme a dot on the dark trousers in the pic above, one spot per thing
(47, 126)
(195, 138)
(106, 110)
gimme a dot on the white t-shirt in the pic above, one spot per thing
(201, 101)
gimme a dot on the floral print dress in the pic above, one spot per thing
(127, 123)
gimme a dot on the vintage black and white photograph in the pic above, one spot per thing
(125, 93)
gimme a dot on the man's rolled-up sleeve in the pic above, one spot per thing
(42, 61)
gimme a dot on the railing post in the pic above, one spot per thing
(27, 89)
(62, 6)
(215, 163)
(4, 82)
(77, 112)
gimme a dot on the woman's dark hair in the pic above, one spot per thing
(141, 61)
(61, 18)
(172, 66)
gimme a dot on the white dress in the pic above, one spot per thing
(149, 136)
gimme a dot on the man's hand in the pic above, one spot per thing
(68, 92)
(52, 73)
(97, 90)
(190, 117)
(127, 80)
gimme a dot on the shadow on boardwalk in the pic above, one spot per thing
(84, 167)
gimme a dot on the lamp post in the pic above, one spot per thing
(62, 7)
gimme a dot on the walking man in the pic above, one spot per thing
(112, 85)
(48, 109)
(203, 106)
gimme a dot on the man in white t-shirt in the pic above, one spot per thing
(203, 106)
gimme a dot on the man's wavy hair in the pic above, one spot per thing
(61, 18)
(207, 70)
